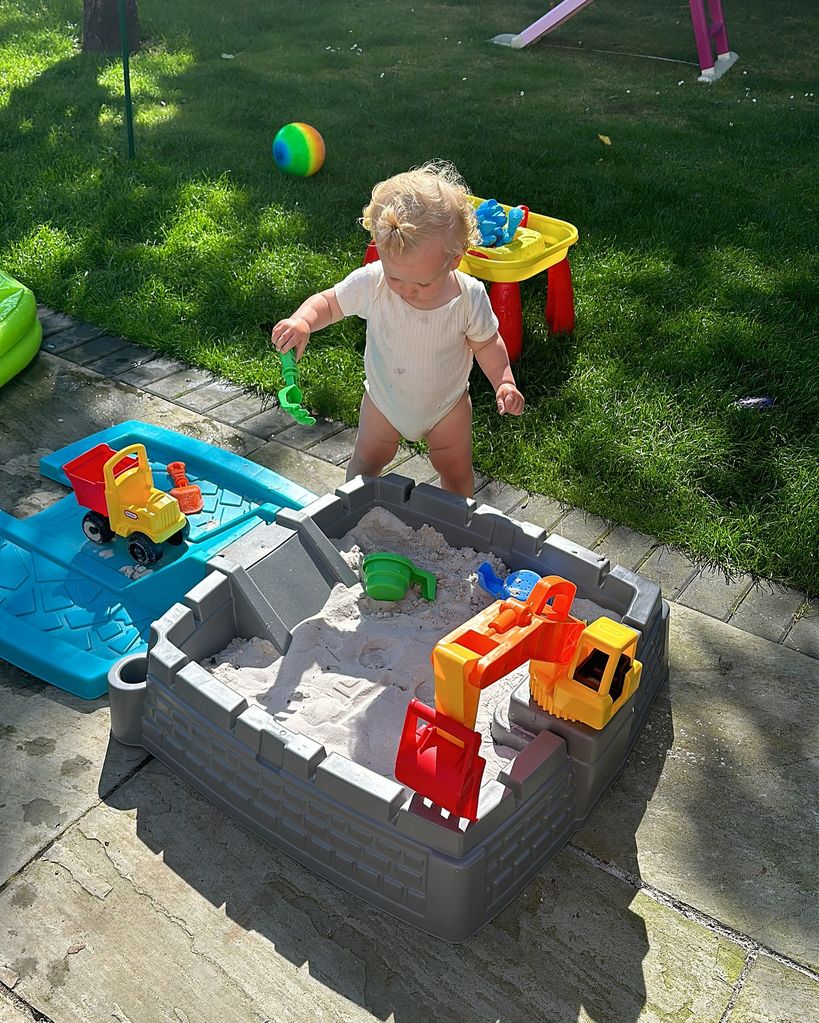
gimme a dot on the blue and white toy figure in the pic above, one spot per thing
(517, 584)
(495, 227)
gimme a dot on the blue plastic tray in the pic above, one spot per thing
(70, 608)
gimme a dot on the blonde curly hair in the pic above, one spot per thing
(426, 202)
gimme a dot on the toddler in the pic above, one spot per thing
(425, 321)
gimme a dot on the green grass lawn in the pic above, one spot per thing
(694, 275)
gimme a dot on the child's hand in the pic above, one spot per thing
(509, 399)
(291, 333)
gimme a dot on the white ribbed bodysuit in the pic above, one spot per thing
(416, 361)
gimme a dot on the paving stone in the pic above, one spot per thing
(312, 473)
(540, 511)
(670, 568)
(273, 420)
(52, 321)
(804, 636)
(306, 437)
(209, 395)
(336, 449)
(776, 993)
(768, 610)
(416, 467)
(55, 762)
(71, 337)
(626, 547)
(81, 402)
(499, 495)
(127, 357)
(582, 527)
(715, 803)
(157, 368)
(10, 1011)
(715, 592)
(177, 384)
(224, 927)
(90, 352)
(237, 410)
(403, 454)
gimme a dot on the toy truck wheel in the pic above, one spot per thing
(143, 550)
(178, 537)
(97, 527)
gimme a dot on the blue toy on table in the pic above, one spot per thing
(493, 224)
(517, 584)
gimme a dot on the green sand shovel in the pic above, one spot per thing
(290, 396)
(389, 576)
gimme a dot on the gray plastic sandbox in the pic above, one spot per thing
(369, 834)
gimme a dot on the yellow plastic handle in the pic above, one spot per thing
(132, 449)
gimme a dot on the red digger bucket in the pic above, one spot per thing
(435, 766)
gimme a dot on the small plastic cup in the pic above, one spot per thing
(389, 576)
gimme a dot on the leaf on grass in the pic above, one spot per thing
(605, 140)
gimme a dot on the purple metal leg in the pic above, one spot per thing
(718, 29)
(701, 33)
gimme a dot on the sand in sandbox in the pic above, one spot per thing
(352, 669)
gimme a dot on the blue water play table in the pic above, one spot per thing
(70, 608)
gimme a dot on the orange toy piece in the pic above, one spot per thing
(189, 495)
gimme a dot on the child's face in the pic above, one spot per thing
(421, 275)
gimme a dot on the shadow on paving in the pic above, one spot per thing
(542, 957)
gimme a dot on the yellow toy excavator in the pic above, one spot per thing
(577, 672)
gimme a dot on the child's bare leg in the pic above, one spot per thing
(376, 443)
(450, 449)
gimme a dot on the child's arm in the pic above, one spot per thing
(494, 361)
(313, 314)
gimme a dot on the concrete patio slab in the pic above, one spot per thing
(11, 1012)
(126, 918)
(626, 547)
(501, 496)
(582, 527)
(313, 473)
(768, 610)
(775, 993)
(717, 802)
(715, 592)
(55, 762)
(804, 635)
(66, 338)
(542, 511)
(671, 569)
(79, 402)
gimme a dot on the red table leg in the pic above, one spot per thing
(505, 300)
(371, 255)
(560, 298)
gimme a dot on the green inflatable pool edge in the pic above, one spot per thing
(20, 331)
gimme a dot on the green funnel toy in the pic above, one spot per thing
(389, 576)
(290, 396)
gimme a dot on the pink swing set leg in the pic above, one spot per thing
(711, 68)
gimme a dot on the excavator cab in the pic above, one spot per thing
(603, 674)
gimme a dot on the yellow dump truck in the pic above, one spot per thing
(118, 489)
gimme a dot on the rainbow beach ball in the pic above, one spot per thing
(298, 149)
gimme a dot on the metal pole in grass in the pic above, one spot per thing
(126, 72)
